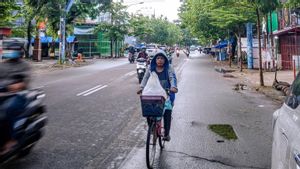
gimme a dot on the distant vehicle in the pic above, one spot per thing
(193, 48)
(286, 129)
(199, 48)
(207, 50)
(162, 47)
(151, 49)
(12, 47)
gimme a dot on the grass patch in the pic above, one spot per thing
(224, 130)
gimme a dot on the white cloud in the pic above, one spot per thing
(168, 8)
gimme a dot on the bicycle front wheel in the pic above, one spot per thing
(151, 145)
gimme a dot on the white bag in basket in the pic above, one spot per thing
(153, 87)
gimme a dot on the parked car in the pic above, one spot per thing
(151, 49)
(286, 131)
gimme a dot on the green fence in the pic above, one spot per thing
(97, 45)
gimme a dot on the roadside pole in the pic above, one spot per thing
(62, 43)
(294, 68)
(1, 46)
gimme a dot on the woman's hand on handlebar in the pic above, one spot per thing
(16, 87)
(139, 91)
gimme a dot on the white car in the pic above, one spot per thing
(151, 49)
(286, 131)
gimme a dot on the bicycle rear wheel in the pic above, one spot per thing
(160, 133)
(151, 145)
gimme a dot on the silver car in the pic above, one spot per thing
(286, 131)
(151, 49)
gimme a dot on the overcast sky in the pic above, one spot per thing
(168, 8)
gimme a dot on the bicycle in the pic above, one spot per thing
(155, 132)
(153, 108)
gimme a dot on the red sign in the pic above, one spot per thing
(5, 31)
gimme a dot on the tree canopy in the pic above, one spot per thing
(155, 30)
(6, 15)
(118, 25)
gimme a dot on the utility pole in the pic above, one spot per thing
(62, 44)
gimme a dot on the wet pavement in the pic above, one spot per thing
(95, 120)
(204, 98)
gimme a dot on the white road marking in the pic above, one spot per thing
(79, 94)
(130, 73)
(93, 91)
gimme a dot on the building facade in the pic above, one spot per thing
(288, 35)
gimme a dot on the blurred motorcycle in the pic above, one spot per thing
(29, 126)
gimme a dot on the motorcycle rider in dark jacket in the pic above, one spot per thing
(143, 54)
(14, 77)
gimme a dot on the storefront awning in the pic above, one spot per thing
(45, 39)
(71, 39)
(287, 30)
(222, 44)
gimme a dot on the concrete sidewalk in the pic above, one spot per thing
(251, 78)
(49, 65)
(52, 65)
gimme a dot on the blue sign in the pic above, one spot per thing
(250, 45)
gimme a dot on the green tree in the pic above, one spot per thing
(140, 27)
(7, 7)
(53, 10)
(196, 18)
(262, 8)
(163, 32)
(118, 25)
(41, 10)
(174, 34)
(293, 3)
(32, 10)
(226, 14)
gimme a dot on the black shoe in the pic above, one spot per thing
(167, 138)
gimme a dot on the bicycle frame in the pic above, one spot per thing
(154, 130)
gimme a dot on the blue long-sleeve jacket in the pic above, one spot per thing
(166, 83)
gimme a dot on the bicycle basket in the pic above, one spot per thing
(152, 106)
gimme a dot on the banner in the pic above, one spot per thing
(83, 31)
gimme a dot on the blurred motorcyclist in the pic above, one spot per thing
(177, 51)
(131, 50)
(14, 77)
(143, 53)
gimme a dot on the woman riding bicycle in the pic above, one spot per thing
(167, 77)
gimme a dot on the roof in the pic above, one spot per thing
(48, 39)
(71, 39)
(222, 44)
(287, 30)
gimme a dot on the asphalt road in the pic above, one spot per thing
(95, 120)
(205, 98)
(94, 117)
